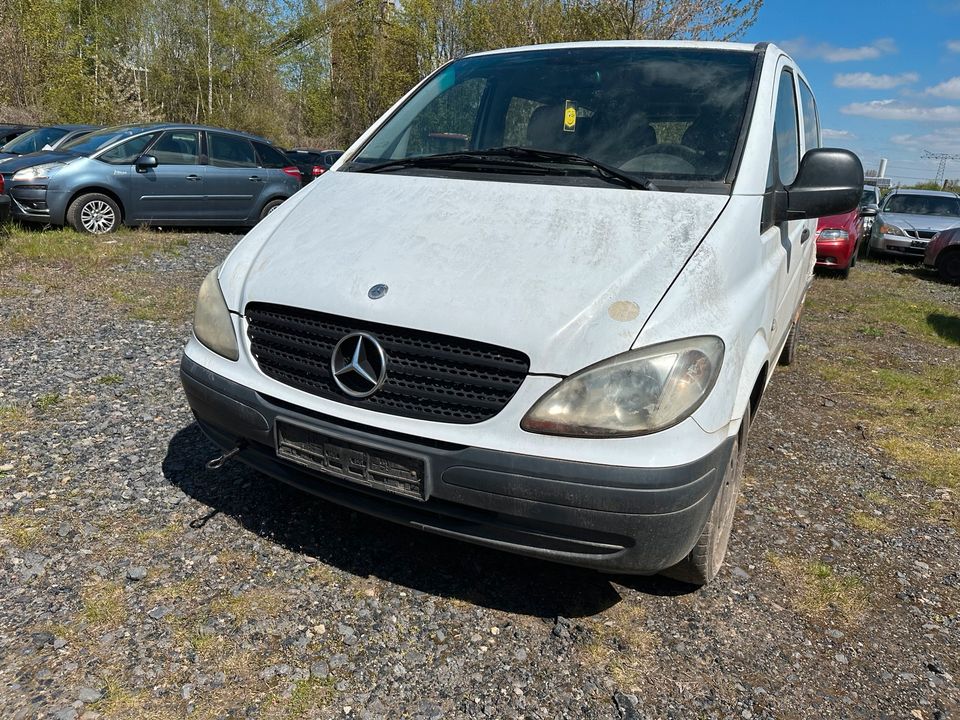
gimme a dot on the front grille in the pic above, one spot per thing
(921, 234)
(429, 376)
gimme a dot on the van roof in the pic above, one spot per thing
(691, 44)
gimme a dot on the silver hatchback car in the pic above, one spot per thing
(156, 174)
(908, 220)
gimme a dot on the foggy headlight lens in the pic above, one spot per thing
(639, 392)
(888, 229)
(212, 324)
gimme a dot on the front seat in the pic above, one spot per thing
(712, 137)
(545, 130)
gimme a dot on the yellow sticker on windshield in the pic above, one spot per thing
(570, 116)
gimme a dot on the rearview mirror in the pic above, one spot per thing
(829, 182)
(146, 162)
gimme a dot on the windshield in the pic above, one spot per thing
(673, 113)
(33, 140)
(869, 196)
(923, 205)
(89, 144)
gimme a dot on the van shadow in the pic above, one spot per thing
(946, 326)
(369, 547)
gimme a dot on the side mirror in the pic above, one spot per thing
(870, 209)
(145, 162)
(829, 182)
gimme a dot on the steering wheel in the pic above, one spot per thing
(675, 149)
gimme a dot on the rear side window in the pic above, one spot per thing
(177, 147)
(811, 120)
(332, 158)
(271, 157)
(127, 152)
(786, 130)
(230, 151)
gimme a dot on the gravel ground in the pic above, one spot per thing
(135, 583)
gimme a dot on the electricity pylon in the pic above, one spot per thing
(942, 157)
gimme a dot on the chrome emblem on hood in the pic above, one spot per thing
(377, 291)
(359, 365)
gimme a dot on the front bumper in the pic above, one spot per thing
(30, 202)
(615, 519)
(4, 208)
(904, 246)
(834, 254)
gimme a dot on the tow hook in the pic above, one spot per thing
(220, 461)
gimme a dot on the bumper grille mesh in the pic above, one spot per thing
(429, 376)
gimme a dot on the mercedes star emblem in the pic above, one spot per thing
(359, 365)
(377, 291)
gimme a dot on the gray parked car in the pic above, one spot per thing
(908, 220)
(156, 174)
(44, 138)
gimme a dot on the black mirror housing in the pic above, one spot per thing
(829, 182)
(144, 162)
(870, 209)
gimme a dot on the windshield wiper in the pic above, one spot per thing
(476, 158)
(606, 171)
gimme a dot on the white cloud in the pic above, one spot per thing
(829, 134)
(939, 140)
(801, 47)
(896, 110)
(954, 46)
(874, 82)
(949, 89)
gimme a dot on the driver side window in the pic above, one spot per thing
(786, 129)
(127, 152)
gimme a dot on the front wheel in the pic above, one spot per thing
(704, 561)
(94, 213)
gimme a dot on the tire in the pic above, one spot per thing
(788, 355)
(270, 207)
(948, 267)
(704, 561)
(94, 213)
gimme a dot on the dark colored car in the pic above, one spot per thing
(43, 138)
(838, 240)
(152, 174)
(8, 132)
(943, 254)
(4, 204)
(313, 163)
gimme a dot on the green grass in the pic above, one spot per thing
(11, 418)
(110, 379)
(47, 401)
(870, 523)
(815, 589)
(103, 603)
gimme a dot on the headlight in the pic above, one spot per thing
(212, 324)
(888, 229)
(38, 172)
(636, 393)
(834, 234)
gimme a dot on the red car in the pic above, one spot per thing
(943, 254)
(838, 240)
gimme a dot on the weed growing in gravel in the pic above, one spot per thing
(870, 522)
(310, 695)
(11, 417)
(816, 589)
(111, 379)
(17, 324)
(104, 603)
(877, 498)
(149, 296)
(47, 401)
(21, 531)
(620, 644)
(259, 603)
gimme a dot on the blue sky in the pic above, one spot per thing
(886, 75)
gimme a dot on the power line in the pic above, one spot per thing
(942, 157)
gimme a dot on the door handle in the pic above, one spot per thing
(805, 235)
(193, 178)
(255, 178)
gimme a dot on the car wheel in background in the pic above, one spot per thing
(270, 207)
(948, 266)
(704, 561)
(94, 213)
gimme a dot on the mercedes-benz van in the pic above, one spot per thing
(536, 304)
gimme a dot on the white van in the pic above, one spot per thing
(535, 306)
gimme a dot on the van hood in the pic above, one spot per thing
(566, 274)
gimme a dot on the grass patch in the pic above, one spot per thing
(18, 324)
(21, 531)
(938, 466)
(47, 401)
(877, 498)
(66, 248)
(11, 418)
(815, 589)
(103, 603)
(111, 379)
(147, 296)
(265, 602)
(870, 523)
(619, 644)
(309, 696)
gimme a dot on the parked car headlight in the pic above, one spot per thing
(888, 229)
(636, 393)
(38, 172)
(211, 323)
(834, 234)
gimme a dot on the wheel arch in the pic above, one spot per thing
(87, 189)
